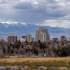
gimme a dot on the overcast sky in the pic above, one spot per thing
(52, 13)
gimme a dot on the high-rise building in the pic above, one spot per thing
(12, 39)
(63, 38)
(42, 35)
(22, 39)
(55, 40)
(29, 38)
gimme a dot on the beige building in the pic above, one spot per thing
(29, 38)
(42, 35)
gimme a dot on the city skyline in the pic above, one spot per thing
(34, 34)
(41, 45)
(41, 33)
(30, 30)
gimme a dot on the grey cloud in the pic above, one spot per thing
(23, 6)
(34, 13)
(28, 11)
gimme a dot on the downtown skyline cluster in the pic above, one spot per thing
(41, 46)
(23, 17)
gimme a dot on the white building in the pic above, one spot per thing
(42, 35)
(22, 39)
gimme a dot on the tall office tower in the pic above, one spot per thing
(42, 34)
(29, 38)
(12, 39)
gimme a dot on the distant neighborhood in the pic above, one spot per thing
(42, 45)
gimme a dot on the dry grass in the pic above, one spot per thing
(32, 59)
(32, 62)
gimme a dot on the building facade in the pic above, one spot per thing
(12, 39)
(29, 38)
(42, 35)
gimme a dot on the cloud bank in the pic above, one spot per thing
(56, 23)
(53, 13)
